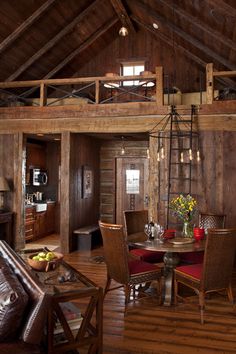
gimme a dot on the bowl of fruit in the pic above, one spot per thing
(45, 260)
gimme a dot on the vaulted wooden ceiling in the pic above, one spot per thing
(57, 38)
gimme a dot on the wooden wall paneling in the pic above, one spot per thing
(110, 150)
(84, 152)
(229, 173)
(65, 216)
(212, 177)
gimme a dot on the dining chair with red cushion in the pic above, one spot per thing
(134, 221)
(215, 273)
(205, 221)
(121, 267)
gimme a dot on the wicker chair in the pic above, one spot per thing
(134, 221)
(214, 274)
(121, 267)
(211, 221)
(205, 221)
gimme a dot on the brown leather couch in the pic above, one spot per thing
(29, 336)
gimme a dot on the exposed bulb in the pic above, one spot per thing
(181, 157)
(122, 150)
(158, 157)
(190, 155)
(148, 154)
(198, 156)
(162, 153)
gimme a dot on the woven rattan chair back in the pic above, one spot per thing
(121, 266)
(115, 252)
(215, 273)
(218, 259)
(212, 221)
(134, 221)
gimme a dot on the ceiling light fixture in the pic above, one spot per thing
(155, 25)
(123, 32)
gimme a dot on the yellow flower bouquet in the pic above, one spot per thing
(184, 207)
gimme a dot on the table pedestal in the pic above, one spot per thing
(171, 260)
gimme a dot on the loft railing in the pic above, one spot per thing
(211, 75)
(24, 92)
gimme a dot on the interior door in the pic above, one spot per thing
(131, 185)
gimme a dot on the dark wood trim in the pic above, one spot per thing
(65, 193)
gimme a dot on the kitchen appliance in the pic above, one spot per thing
(39, 177)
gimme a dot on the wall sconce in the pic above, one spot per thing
(147, 82)
(123, 32)
(111, 84)
(4, 187)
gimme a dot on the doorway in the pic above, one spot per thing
(131, 185)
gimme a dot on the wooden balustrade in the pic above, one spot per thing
(96, 82)
(210, 75)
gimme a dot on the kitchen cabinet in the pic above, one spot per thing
(39, 224)
(29, 222)
(50, 218)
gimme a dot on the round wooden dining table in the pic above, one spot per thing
(171, 248)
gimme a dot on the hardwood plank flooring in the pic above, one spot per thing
(152, 329)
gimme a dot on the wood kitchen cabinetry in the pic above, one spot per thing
(39, 224)
(29, 223)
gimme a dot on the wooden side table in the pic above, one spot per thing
(67, 285)
(6, 223)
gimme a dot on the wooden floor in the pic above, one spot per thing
(152, 329)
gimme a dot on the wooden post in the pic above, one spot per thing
(19, 191)
(43, 95)
(64, 180)
(209, 84)
(153, 179)
(159, 86)
(97, 91)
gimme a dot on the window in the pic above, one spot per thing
(132, 181)
(131, 68)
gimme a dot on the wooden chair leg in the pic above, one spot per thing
(230, 294)
(175, 291)
(202, 305)
(108, 283)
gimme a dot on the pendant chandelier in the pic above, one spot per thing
(174, 127)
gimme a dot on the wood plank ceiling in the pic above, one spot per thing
(53, 38)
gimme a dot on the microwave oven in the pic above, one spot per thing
(39, 177)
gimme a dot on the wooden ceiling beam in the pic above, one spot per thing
(224, 8)
(25, 25)
(84, 46)
(52, 42)
(194, 42)
(216, 35)
(193, 57)
(122, 14)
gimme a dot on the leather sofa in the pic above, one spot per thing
(28, 337)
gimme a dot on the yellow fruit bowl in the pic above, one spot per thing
(44, 263)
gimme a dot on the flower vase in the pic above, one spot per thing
(187, 229)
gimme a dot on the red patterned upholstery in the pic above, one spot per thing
(194, 270)
(192, 257)
(147, 256)
(137, 266)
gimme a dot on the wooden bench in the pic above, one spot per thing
(83, 237)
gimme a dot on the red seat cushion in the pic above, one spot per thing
(148, 256)
(136, 266)
(194, 270)
(192, 257)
